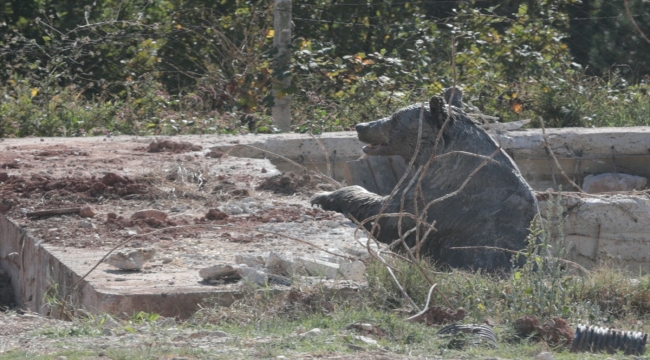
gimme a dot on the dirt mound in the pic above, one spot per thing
(288, 183)
(555, 331)
(43, 185)
(173, 146)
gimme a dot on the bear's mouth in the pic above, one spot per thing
(371, 149)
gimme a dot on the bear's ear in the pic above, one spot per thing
(438, 111)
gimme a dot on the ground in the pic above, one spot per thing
(117, 177)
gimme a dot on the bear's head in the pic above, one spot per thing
(397, 134)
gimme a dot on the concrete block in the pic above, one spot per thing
(317, 267)
(222, 271)
(613, 182)
(256, 276)
(278, 264)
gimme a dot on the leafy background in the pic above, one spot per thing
(85, 67)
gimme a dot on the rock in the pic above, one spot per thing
(221, 334)
(367, 327)
(313, 332)
(316, 267)
(131, 259)
(233, 210)
(250, 260)
(86, 224)
(179, 208)
(256, 276)
(150, 213)
(222, 271)
(4, 176)
(356, 347)
(365, 339)
(86, 212)
(594, 184)
(167, 260)
(544, 356)
(215, 214)
(280, 265)
(352, 271)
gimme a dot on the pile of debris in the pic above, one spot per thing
(283, 269)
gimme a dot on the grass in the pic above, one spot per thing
(262, 325)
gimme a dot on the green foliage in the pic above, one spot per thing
(78, 68)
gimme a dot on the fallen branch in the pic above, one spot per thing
(129, 239)
(50, 212)
(404, 291)
(421, 314)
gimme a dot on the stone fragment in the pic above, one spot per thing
(317, 267)
(233, 210)
(365, 339)
(3, 176)
(250, 260)
(150, 213)
(600, 183)
(256, 276)
(281, 265)
(312, 332)
(86, 224)
(132, 259)
(215, 214)
(86, 212)
(221, 271)
(352, 271)
(217, 333)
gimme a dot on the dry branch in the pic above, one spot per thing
(50, 212)
(557, 163)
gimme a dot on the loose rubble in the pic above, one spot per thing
(280, 268)
(132, 259)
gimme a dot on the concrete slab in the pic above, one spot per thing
(45, 256)
(56, 251)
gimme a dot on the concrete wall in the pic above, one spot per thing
(581, 152)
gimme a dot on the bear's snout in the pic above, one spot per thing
(372, 132)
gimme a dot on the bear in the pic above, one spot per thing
(494, 208)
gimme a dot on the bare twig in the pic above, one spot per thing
(316, 173)
(462, 186)
(327, 155)
(402, 289)
(557, 163)
(636, 26)
(306, 243)
(131, 238)
(418, 317)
